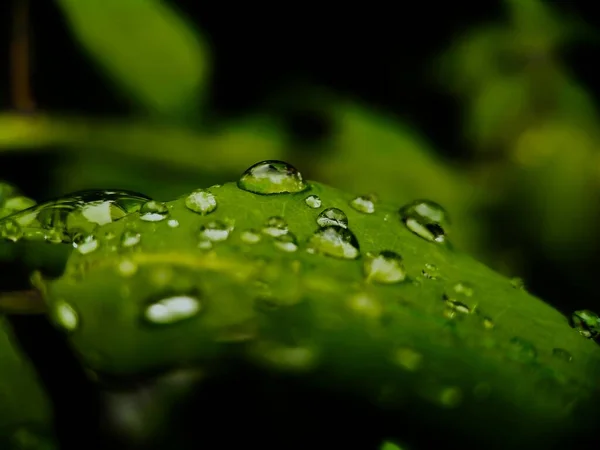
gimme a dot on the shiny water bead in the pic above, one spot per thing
(332, 217)
(170, 310)
(275, 226)
(85, 243)
(65, 316)
(201, 201)
(334, 241)
(130, 238)
(286, 242)
(313, 201)
(426, 219)
(153, 211)
(385, 267)
(272, 177)
(250, 236)
(364, 204)
(214, 231)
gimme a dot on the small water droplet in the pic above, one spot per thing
(214, 231)
(201, 201)
(313, 201)
(286, 242)
(586, 322)
(54, 236)
(364, 204)
(65, 316)
(332, 217)
(487, 323)
(109, 235)
(334, 241)
(517, 283)
(204, 244)
(85, 243)
(522, 350)
(408, 359)
(272, 177)
(130, 238)
(366, 305)
(153, 211)
(426, 219)
(127, 268)
(171, 310)
(250, 236)
(464, 288)
(563, 354)
(454, 307)
(430, 271)
(11, 230)
(173, 223)
(384, 267)
(275, 226)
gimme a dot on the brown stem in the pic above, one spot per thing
(20, 58)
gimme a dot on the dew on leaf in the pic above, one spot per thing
(334, 241)
(201, 201)
(430, 271)
(454, 307)
(364, 204)
(272, 177)
(464, 288)
(85, 243)
(286, 242)
(171, 310)
(562, 354)
(65, 316)
(365, 305)
(250, 236)
(173, 223)
(153, 211)
(275, 226)
(11, 230)
(332, 217)
(313, 201)
(204, 243)
(407, 358)
(426, 219)
(127, 268)
(130, 238)
(214, 231)
(385, 267)
(487, 323)
(586, 322)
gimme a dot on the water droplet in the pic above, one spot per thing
(204, 244)
(153, 211)
(366, 305)
(286, 242)
(464, 288)
(586, 322)
(11, 230)
(272, 177)
(250, 236)
(522, 350)
(517, 283)
(65, 316)
(487, 323)
(454, 307)
(130, 238)
(214, 231)
(384, 267)
(127, 268)
(426, 219)
(171, 310)
(313, 201)
(364, 204)
(334, 241)
(201, 201)
(85, 243)
(275, 226)
(408, 359)
(563, 354)
(173, 223)
(332, 217)
(430, 271)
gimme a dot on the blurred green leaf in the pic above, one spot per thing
(151, 52)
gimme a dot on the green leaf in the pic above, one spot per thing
(408, 347)
(147, 49)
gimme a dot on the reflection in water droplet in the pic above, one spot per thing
(127, 268)
(332, 217)
(275, 226)
(153, 211)
(11, 230)
(366, 305)
(171, 310)
(563, 354)
(426, 219)
(201, 202)
(430, 271)
(130, 238)
(272, 177)
(286, 242)
(173, 223)
(408, 358)
(214, 231)
(586, 322)
(85, 243)
(522, 350)
(364, 204)
(313, 201)
(250, 236)
(65, 316)
(333, 241)
(384, 267)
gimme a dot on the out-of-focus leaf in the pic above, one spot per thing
(146, 48)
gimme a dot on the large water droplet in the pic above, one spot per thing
(65, 316)
(153, 211)
(334, 241)
(272, 177)
(426, 219)
(85, 243)
(11, 230)
(201, 201)
(332, 217)
(171, 310)
(130, 238)
(214, 231)
(384, 267)
(313, 201)
(364, 204)
(250, 236)
(286, 242)
(275, 226)
(586, 322)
